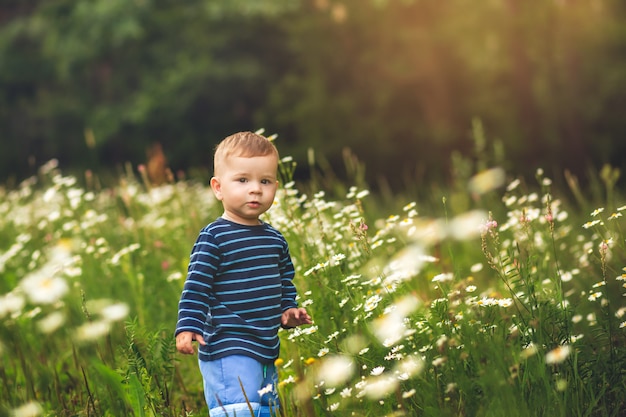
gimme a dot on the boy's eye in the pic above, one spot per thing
(265, 182)
(242, 180)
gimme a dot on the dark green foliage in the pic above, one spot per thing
(96, 83)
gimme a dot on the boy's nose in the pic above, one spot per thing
(255, 187)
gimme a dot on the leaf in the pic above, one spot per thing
(136, 395)
(112, 380)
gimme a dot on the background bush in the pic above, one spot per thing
(97, 83)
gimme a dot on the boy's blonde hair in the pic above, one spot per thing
(244, 144)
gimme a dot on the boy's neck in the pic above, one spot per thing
(225, 216)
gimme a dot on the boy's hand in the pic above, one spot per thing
(295, 317)
(184, 339)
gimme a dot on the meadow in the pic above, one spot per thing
(492, 296)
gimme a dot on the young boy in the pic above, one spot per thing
(239, 289)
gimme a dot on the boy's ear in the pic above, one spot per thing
(216, 187)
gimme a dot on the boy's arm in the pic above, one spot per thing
(292, 314)
(287, 273)
(193, 306)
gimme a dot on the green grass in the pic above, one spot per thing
(508, 301)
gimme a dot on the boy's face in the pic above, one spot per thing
(246, 186)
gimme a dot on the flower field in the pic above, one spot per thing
(503, 299)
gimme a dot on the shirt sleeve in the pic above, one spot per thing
(193, 307)
(287, 274)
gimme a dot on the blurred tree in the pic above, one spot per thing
(400, 80)
(397, 81)
(130, 73)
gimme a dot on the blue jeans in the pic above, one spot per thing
(223, 382)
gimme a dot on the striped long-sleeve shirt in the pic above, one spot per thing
(239, 282)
